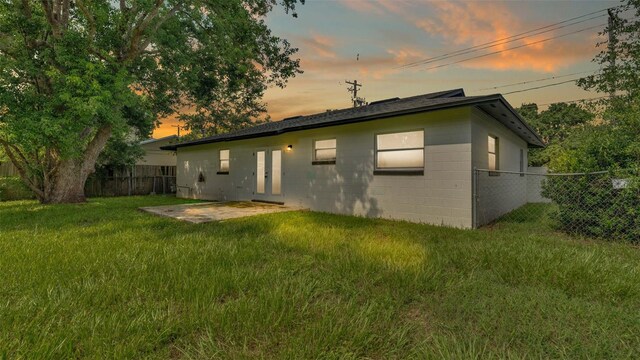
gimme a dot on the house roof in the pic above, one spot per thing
(494, 105)
(150, 141)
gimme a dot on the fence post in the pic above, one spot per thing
(474, 199)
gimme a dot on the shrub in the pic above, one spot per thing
(590, 205)
(12, 188)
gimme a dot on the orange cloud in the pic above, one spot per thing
(469, 22)
(474, 23)
(379, 7)
(406, 55)
(318, 46)
(281, 107)
(391, 64)
(376, 67)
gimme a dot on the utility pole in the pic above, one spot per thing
(357, 101)
(177, 126)
(612, 52)
(354, 90)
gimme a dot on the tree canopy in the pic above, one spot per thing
(619, 59)
(77, 74)
(614, 142)
(554, 125)
(603, 134)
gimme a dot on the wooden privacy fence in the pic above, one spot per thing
(128, 186)
(7, 169)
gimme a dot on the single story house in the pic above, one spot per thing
(401, 158)
(156, 162)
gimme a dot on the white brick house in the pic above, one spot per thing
(409, 159)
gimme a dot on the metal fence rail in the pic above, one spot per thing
(598, 204)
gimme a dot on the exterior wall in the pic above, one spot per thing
(441, 196)
(156, 157)
(497, 193)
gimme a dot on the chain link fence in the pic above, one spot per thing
(599, 204)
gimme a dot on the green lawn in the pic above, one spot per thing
(104, 280)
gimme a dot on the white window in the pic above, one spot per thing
(400, 151)
(324, 150)
(493, 153)
(224, 161)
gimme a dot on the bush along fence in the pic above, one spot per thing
(12, 188)
(602, 204)
(128, 186)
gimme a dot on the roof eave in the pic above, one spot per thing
(151, 141)
(467, 102)
(524, 123)
(462, 103)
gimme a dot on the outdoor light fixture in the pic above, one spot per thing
(289, 147)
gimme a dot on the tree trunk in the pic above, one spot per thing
(67, 186)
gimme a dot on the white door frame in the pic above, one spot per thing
(270, 193)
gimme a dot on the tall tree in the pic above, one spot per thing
(225, 100)
(615, 141)
(554, 125)
(76, 73)
(619, 58)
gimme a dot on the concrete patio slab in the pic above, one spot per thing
(217, 211)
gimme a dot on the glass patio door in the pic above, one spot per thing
(268, 175)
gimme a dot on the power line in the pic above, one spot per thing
(515, 47)
(547, 85)
(536, 80)
(506, 38)
(541, 87)
(575, 100)
(503, 41)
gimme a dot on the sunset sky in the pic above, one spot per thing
(390, 33)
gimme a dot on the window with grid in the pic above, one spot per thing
(493, 153)
(324, 151)
(400, 152)
(224, 161)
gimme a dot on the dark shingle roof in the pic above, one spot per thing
(373, 111)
